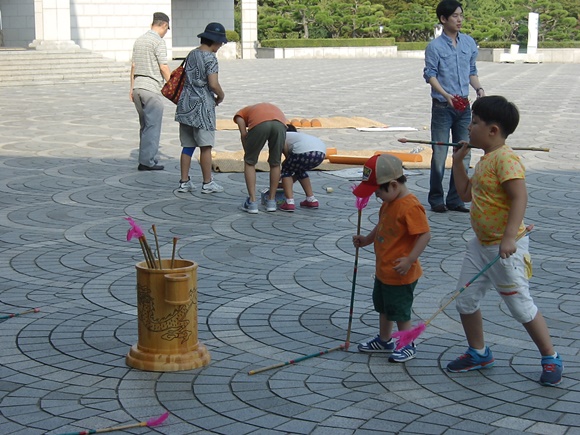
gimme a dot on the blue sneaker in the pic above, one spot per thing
(404, 354)
(471, 360)
(376, 345)
(552, 369)
(250, 207)
(271, 205)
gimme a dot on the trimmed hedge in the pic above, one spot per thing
(381, 42)
(544, 44)
(559, 44)
(330, 42)
(412, 45)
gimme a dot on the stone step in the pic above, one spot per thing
(32, 67)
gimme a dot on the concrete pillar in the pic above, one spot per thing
(249, 34)
(533, 23)
(52, 25)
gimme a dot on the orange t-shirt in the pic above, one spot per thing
(261, 112)
(401, 222)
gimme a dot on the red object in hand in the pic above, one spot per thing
(460, 103)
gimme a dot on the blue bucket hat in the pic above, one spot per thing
(214, 32)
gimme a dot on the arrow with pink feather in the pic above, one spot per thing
(136, 231)
(360, 204)
(405, 338)
(10, 316)
(152, 422)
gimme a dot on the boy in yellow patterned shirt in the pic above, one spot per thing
(498, 195)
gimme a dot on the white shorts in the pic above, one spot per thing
(510, 278)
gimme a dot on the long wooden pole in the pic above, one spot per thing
(294, 361)
(455, 144)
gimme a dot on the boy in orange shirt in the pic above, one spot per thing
(498, 195)
(400, 236)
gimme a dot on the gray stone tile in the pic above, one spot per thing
(273, 287)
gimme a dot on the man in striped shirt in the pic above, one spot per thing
(149, 72)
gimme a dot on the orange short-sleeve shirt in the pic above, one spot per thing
(401, 222)
(261, 112)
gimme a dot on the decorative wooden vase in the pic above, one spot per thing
(167, 315)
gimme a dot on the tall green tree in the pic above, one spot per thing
(414, 24)
(414, 20)
(351, 19)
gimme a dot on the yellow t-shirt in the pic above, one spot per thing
(401, 222)
(490, 204)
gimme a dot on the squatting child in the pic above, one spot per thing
(303, 152)
(498, 195)
(400, 236)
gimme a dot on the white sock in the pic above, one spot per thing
(480, 351)
(311, 198)
(289, 200)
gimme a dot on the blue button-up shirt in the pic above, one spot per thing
(451, 65)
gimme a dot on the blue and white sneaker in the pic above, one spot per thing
(376, 345)
(552, 368)
(404, 354)
(249, 206)
(471, 360)
(271, 205)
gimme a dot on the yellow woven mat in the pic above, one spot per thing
(227, 161)
(334, 122)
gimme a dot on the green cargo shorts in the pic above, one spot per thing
(395, 301)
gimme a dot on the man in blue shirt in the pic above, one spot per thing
(449, 69)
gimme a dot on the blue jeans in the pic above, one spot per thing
(149, 106)
(444, 119)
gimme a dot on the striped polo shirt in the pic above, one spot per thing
(149, 51)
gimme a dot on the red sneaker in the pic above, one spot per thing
(287, 207)
(309, 204)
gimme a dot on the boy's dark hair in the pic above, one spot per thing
(447, 8)
(205, 41)
(402, 179)
(496, 109)
(290, 127)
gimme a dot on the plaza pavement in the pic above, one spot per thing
(272, 287)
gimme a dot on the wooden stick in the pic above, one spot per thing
(354, 273)
(145, 253)
(9, 316)
(157, 245)
(149, 423)
(294, 361)
(173, 251)
(149, 252)
(454, 144)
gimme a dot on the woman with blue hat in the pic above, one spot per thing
(196, 107)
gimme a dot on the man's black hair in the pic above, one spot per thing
(447, 8)
(496, 109)
(290, 127)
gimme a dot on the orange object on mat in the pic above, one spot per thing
(361, 160)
